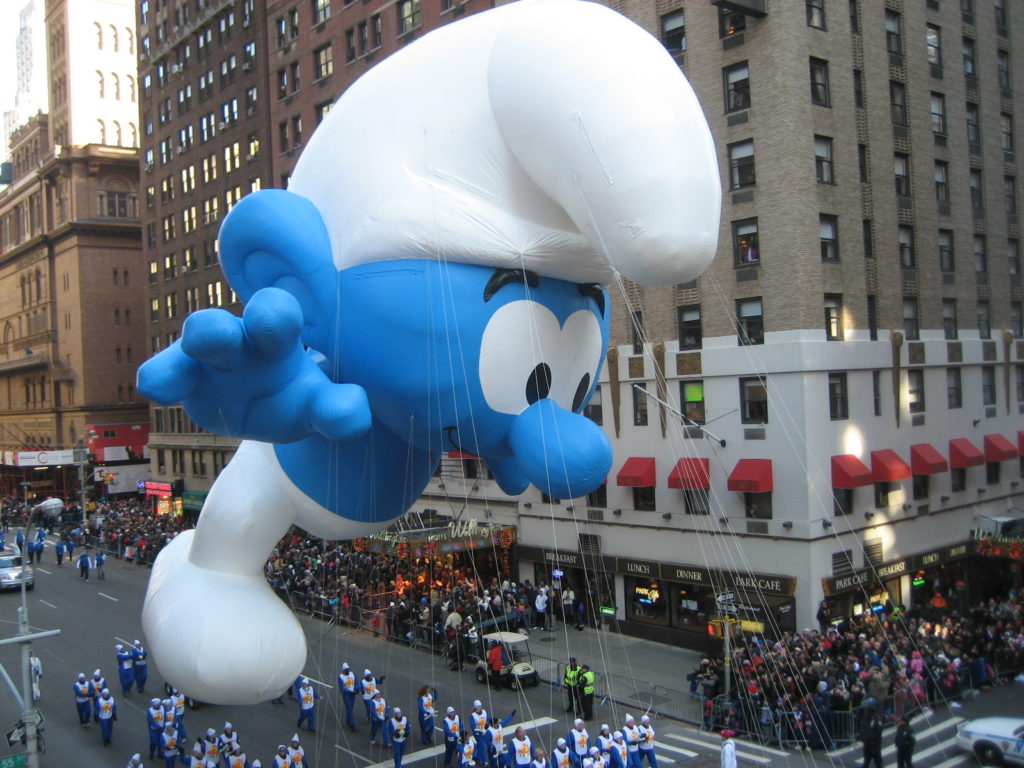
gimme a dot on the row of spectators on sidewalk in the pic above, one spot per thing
(794, 689)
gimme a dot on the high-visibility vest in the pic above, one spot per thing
(587, 681)
(572, 676)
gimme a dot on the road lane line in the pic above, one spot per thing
(954, 761)
(102, 594)
(670, 748)
(356, 754)
(718, 748)
(44, 602)
(43, 570)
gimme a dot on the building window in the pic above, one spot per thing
(737, 87)
(915, 390)
(893, 36)
(988, 385)
(1009, 194)
(696, 502)
(690, 331)
(691, 393)
(1000, 11)
(816, 14)
(323, 61)
(753, 400)
(408, 16)
(984, 320)
(858, 88)
(876, 392)
(980, 255)
(867, 232)
(942, 182)
(938, 107)
(842, 501)
(972, 116)
(673, 31)
(750, 320)
(977, 191)
(819, 82)
(1003, 69)
(947, 258)
(823, 159)
(863, 169)
(644, 499)
(954, 389)
(639, 404)
(828, 226)
(730, 22)
(949, 324)
(744, 238)
(911, 329)
(758, 506)
(957, 478)
(992, 472)
(598, 498)
(636, 327)
(838, 399)
(1006, 132)
(901, 172)
(898, 102)
(933, 40)
(741, 164)
(593, 410)
(833, 316)
(882, 491)
(321, 11)
(908, 255)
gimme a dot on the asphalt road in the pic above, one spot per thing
(94, 616)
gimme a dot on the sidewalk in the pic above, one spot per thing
(631, 671)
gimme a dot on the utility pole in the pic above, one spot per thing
(31, 718)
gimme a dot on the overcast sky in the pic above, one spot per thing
(9, 10)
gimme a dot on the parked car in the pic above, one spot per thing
(993, 740)
(517, 668)
(11, 571)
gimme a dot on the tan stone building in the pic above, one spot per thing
(72, 312)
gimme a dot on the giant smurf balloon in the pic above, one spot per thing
(434, 279)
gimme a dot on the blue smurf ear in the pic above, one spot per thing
(275, 238)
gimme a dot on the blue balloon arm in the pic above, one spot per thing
(250, 377)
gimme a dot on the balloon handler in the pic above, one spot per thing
(452, 297)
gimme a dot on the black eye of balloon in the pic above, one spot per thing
(538, 385)
(581, 392)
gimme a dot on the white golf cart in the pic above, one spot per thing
(517, 668)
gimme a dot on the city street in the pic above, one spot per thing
(94, 616)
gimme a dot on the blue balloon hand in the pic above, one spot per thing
(250, 377)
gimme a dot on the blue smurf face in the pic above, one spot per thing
(458, 351)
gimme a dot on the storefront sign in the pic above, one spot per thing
(928, 559)
(686, 574)
(891, 570)
(957, 551)
(752, 582)
(462, 529)
(193, 500)
(162, 490)
(639, 568)
(838, 584)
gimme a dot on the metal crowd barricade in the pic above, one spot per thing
(845, 732)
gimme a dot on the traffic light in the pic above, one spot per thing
(109, 478)
(713, 629)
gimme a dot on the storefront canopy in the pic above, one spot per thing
(690, 475)
(998, 448)
(849, 472)
(888, 467)
(925, 459)
(751, 476)
(963, 453)
(637, 472)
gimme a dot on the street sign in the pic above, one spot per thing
(13, 761)
(725, 597)
(15, 735)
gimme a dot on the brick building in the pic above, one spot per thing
(203, 111)
(69, 257)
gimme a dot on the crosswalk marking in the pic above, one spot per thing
(718, 747)
(944, 725)
(670, 748)
(954, 761)
(937, 728)
(429, 752)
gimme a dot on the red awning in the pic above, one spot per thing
(637, 472)
(461, 455)
(925, 459)
(751, 476)
(691, 475)
(998, 448)
(963, 453)
(888, 467)
(849, 472)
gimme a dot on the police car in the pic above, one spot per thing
(993, 740)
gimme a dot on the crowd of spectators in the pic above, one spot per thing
(815, 687)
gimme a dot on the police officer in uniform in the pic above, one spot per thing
(586, 692)
(571, 680)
